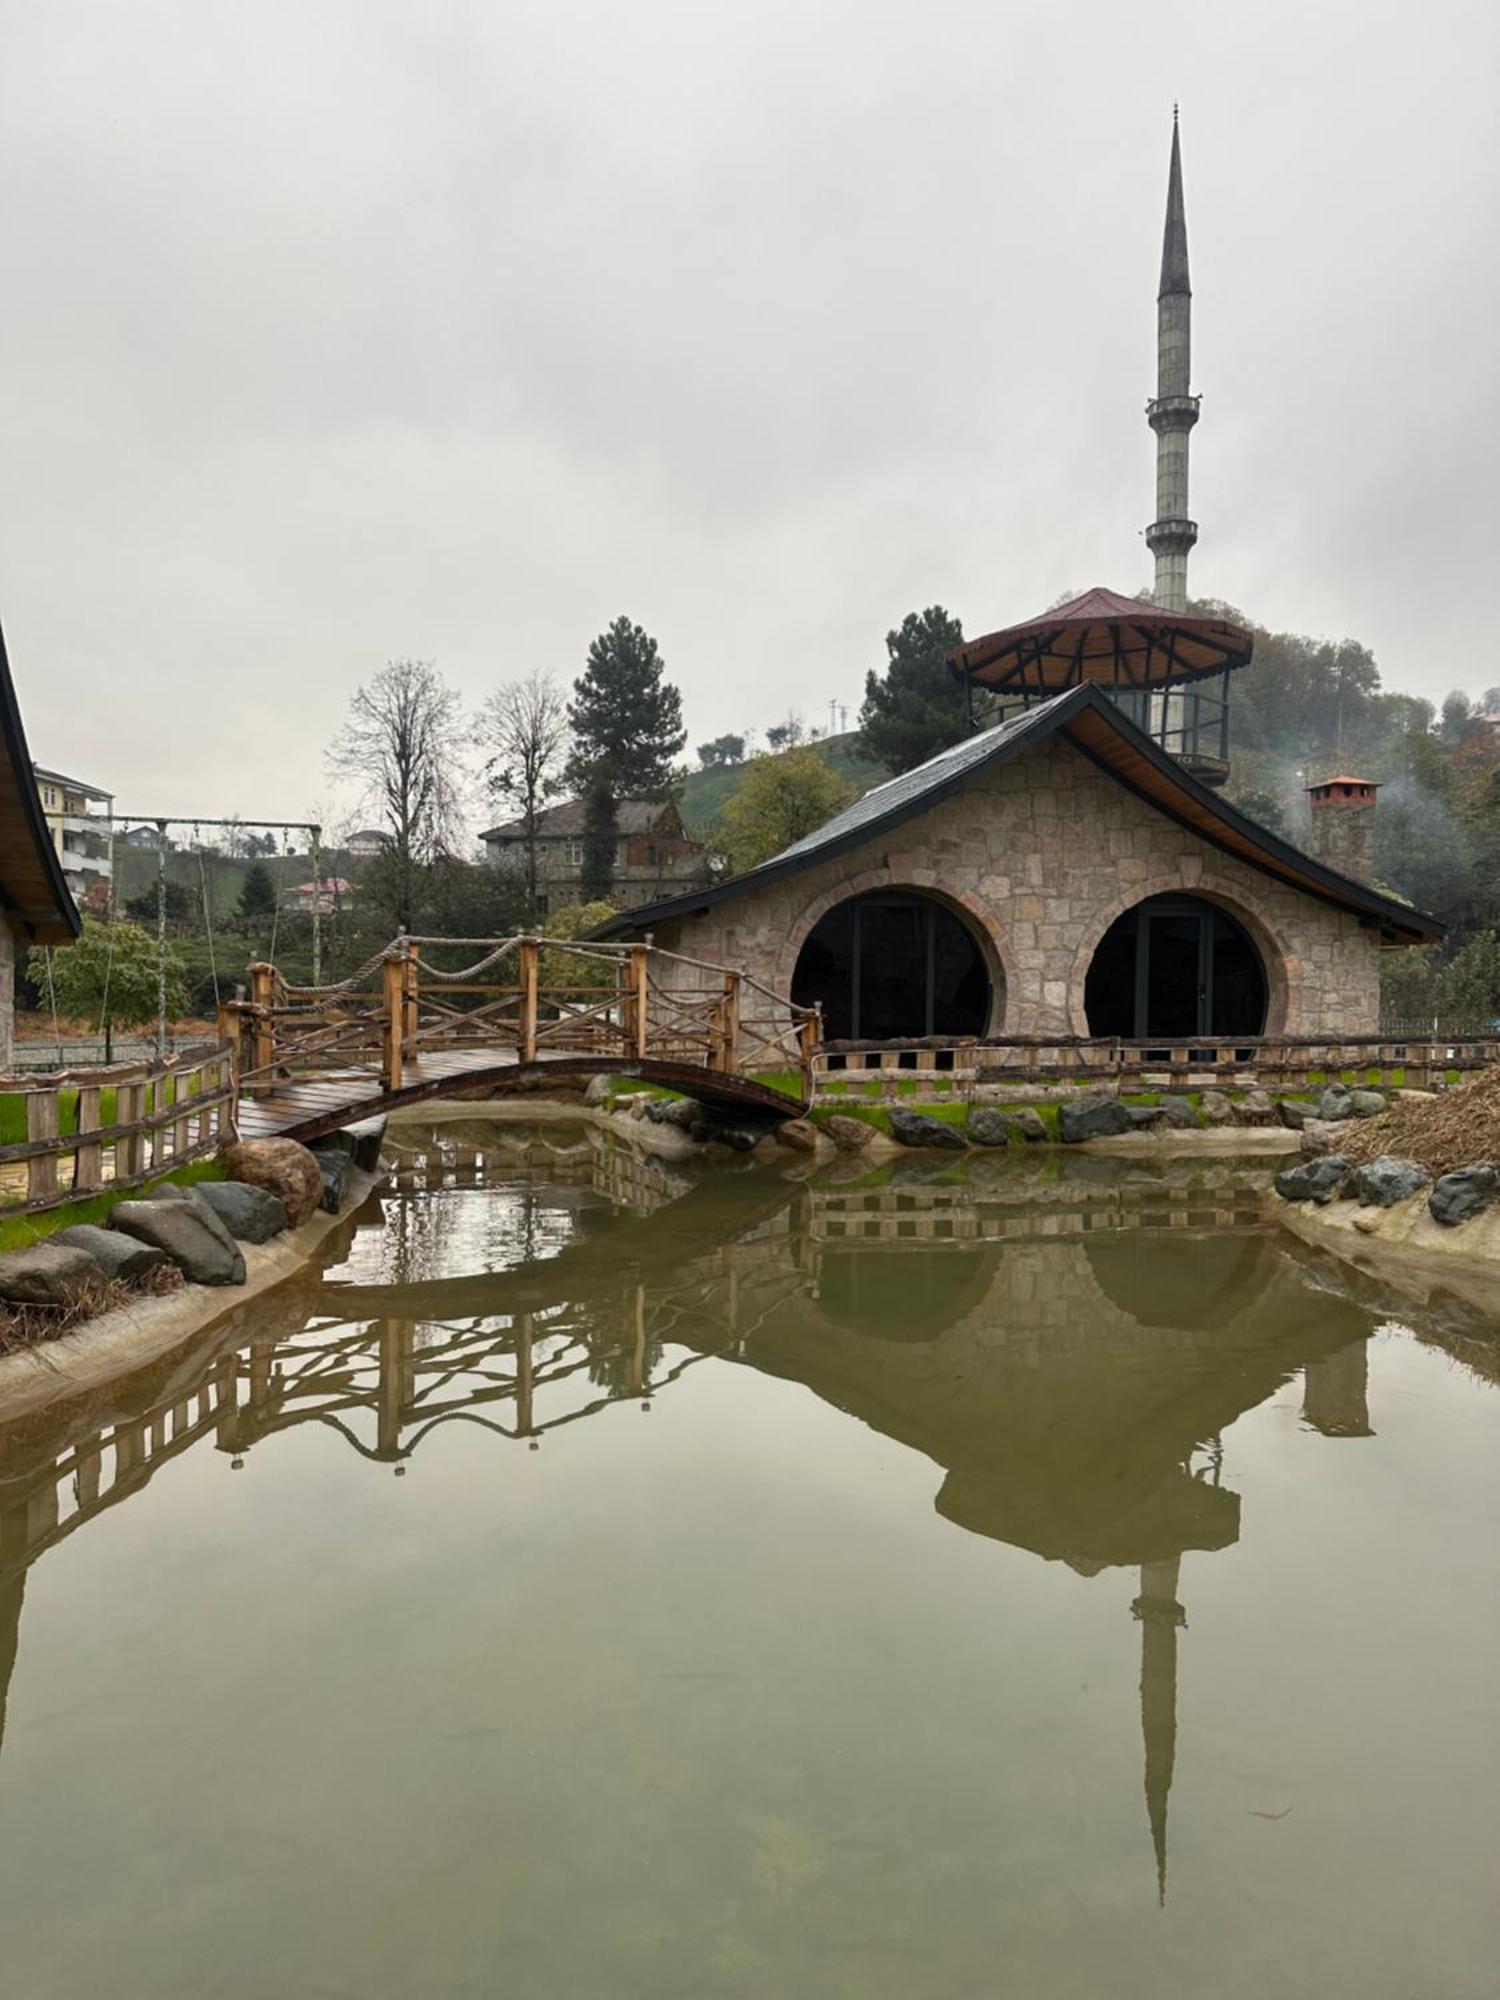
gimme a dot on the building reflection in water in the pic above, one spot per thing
(1065, 1342)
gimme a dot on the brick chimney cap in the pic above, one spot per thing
(1354, 784)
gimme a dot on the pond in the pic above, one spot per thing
(608, 1579)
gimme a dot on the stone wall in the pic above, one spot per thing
(1042, 854)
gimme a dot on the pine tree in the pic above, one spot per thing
(257, 892)
(627, 730)
(918, 709)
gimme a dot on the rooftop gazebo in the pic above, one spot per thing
(1167, 670)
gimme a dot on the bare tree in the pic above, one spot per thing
(526, 729)
(403, 746)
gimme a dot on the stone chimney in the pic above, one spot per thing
(1343, 825)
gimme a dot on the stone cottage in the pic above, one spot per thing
(35, 902)
(1060, 873)
(652, 851)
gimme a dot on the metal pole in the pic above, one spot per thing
(161, 937)
(317, 922)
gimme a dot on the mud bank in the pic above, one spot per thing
(1405, 1247)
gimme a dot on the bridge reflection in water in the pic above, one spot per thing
(1071, 1391)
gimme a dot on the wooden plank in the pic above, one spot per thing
(88, 1160)
(42, 1127)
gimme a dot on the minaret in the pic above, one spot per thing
(1161, 1618)
(1173, 410)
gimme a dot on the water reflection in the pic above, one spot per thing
(1065, 1341)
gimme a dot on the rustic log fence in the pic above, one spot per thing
(95, 1131)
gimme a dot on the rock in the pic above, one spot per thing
(679, 1111)
(1459, 1195)
(1409, 1094)
(1335, 1103)
(1314, 1180)
(1032, 1126)
(191, 1235)
(1366, 1223)
(1092, 1117)
(368, 1136)
(709, 1130)
(1293, 1113)
(850, 1135)
(332, 1144)
(598, 1089)
(1382, 1183)
(800, 1134)
(988, 1126)
(915, 1128)
(283, 1168)
(1216, 1107)
(48, 1273)
(115, 1254)
(334, 1170)
(1318, 1137)
(1366, 1103)
(1143, 1116)
(1254, 1108)
(250, 1214)
(1179, 1111)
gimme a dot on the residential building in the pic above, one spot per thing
(78, 819)
(367, 843)
(653, 854)
(325, 896)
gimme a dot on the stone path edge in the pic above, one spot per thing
(1404, 1245)
(133, 1335)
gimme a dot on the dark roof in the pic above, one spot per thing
(32, 887)
(565, 821)
(1105, 637)
(1098, 728)
(70, 784)
(1174, 251)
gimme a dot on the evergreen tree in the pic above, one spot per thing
(627, 731)
(257, 892)
(918, 708)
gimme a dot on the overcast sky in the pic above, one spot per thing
(346, 329)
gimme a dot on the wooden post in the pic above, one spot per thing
(129, 1151)
(88, 1161)
(729, 1023)
(393, 1007)
(42, 1122)
(186, 1125)
(809, 1034)
(262, 1027)
(529, 957)
(410, 999)
(637, 969)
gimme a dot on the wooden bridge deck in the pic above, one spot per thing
(307, 1107)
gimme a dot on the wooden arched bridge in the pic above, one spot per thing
(405, 1027)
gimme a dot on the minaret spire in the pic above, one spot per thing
(1173, 410)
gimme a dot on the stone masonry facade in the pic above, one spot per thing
(1041, 855)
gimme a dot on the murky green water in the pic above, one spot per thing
(605, 1583)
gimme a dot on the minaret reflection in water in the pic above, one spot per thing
(1066, 1348)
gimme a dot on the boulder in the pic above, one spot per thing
(988, 1126)
(1093, 1116)
(1457, 1196)
(1254, 1108)
(598, 1088)
(115, 1254)
(708, 1130)
(1179, 1111)
(1335, 1103)
(47, 1274)
(334, 1170)
(800, 1134)
(1315, 1180)
(191, 1235)
(368, 1136)
(1217, 1110)
(1143, 1116)
(679, 1111)
(915, 1128)
(250, 1214)
(1319, 1137)
(1383, 1182)
(340, 1143)
(850, 1135)
(1293, 1113)
(282, 1168)
(1366, 1104)
(1031, 1125)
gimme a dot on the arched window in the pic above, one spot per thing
(892, 964)
(1175, 966)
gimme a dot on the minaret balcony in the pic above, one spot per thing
(1172, 536)
(1172, 413)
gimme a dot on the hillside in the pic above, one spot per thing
(706, 793)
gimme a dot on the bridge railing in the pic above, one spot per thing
(533, 996)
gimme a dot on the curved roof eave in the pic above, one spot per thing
(1100, 731)
(34, 892)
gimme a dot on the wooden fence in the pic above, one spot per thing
(1284, 1062)
(94, 1130)
(528, 996)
